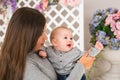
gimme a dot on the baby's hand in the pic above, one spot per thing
(42, 54)
(99, 46)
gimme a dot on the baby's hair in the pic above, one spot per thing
(55, 29)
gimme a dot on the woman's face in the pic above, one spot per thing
(41, 40)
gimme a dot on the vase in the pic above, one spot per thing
(113, 56)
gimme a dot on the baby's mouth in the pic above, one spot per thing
(69, 45)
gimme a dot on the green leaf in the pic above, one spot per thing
(107, 29)
(93, 40)
(17, 0)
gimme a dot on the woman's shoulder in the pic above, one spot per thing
(38, 66)
(35, 59)
(32, 56)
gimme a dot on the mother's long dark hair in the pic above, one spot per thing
(24, 29)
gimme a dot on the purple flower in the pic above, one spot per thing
(13, 4)
(111, 10)
(97, 18)
(101, 37)
(101, 34)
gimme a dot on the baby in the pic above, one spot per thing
(63, 55)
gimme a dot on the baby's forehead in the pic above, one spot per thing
(63, 29)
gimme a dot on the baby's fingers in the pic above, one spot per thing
(99, 45)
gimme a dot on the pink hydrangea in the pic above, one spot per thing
(114, 21)
(70, 2)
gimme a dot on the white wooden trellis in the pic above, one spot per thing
(56, 15)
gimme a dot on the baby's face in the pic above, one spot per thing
(64, 40)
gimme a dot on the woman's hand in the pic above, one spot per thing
(86, 60)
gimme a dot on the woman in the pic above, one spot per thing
(25, 36)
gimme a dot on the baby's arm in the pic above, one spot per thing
(42, 54)
(96, 50)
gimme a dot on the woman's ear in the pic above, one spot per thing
(54, 42)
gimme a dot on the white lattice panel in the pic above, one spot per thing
(56, 15)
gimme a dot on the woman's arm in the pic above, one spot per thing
(85, 62)
(77, 72)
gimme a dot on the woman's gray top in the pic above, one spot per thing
(38, 68)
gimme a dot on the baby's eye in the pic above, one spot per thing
(71, 38)
(65, 37)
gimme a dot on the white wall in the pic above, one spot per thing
(90, 6)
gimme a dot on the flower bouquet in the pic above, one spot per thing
(105, 28)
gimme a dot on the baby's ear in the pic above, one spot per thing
(54, 42)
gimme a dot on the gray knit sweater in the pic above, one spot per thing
(66, 62)
(40, 69)
(63, 62)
